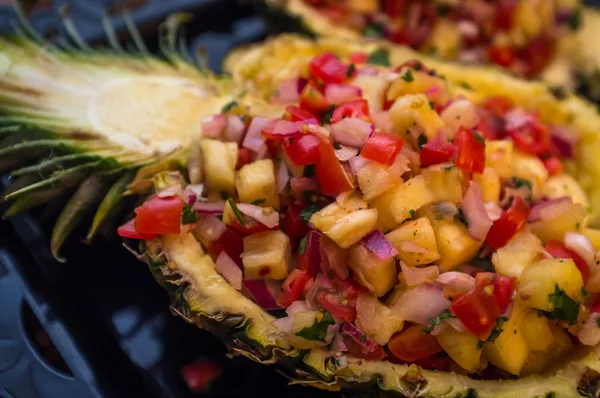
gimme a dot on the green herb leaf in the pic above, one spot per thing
(237, 212)
(318, 330)
(302, 245)
(350, 70)
(375, 29)
(585, 294)
(258, 202)
(189, 215)
(433, 322)
(522, 182)
(575, 19)
(224, 195)
(422, 140)
(229, 106)
(460, 216)
(431, 105)
(379, 57)
(326, 116)
(408, 76)
(412, 213)
(498, 329)
(276, 93)
(308, 212)
(565, 308)
(309, 170)
(479, 137)
(443, 9)
(337, 145)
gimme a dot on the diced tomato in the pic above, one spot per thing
(313, 100)
(502, 55)
(470, 155)
(477, 310)
(272, 148)
(293, 286)
(348, 289)
(492, 127)
(252, 226)
(199, 374)
(505, 12)
(382, 148)
(128, 230)
(359, 57)
(533, 137)
(310, 259)
(356, 350)
(303, 149)
(328, 68)
(503, 290)
(394, 8)
(358, 108)
(497, 105)
(412, 344)
(508, 224)
(594, 305)
(295, 114)
(558, 250)
(436, 151)
(331, 176)
(340, 308)
(159, 215)
(536, 55)
(231, 242)
(293, 225)
(244, 157)
(553, 165)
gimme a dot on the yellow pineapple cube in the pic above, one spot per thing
(572, 220)
(420, 82)
(381, 327)
(373, 90)
(593, 235)
(374, 181)
(418, 232)
(565, 185)
(462, 348)
(349, 229)
(539, 361)
(414, 110)
(520, 252)
(256, 182)
(490, 184)
(267, 255)
(327, 216)
(509, 351)
(220, 159)
(444, 182)
(377, 276)
(383, 204)
(536, 331)
(499, 156)
(530, 168)
(460, 113)
(454, 243)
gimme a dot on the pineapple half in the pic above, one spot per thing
(90, 128)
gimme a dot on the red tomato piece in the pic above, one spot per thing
(533, 137)
(159, 215)
(199, 374)
(295, 114)
(394, 8)
(503, 290)
(505, 12)
(436, 151)
(128, 230)
(477, 310)
(329, 68)
(293, 287)
(231, 242)
(313, 100)
(310, 259)
(470, 155)
(502, 55)
(358, 57)
(244, 157)
(412, 344)
(382, 148)
(303, 150)
(553, 165)
(536, 55)
(508, 224)
(348, 288)
(358, 108)
(340, 308)
(492, 127)
(252, 226)
(558, 250)
(331, 176)
(497, 105)
(272, 148)
(293, 225)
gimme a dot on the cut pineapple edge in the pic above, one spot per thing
(71, 100)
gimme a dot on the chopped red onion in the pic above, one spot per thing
(266, 216)
(345, 153)
(455, 283)
(493, 209)
(229, 270)
(377, 243)
(589, 333)
(284, 324)
(287, 129)
(209, 227)
(352, 131)
(332, 331)
(581, 245)
(468, 29)
(192, 193)
(517, 118)
(210, 207)
(234, 132)
(296, 307)
(254, 140)
(546, 211)
(336, 94)
(421, 303)
(338, 344)
(334, 258)
(358, 162)
(317, 130)
(258, 290)
(365, 342)
(311, 294)
(475, 212)
(214, 125)
(274, 287)
(303, 184)
(287, 92)
(415, 276)
(524, 192)
(313, 248)
(368, 70)
(565, 139)
(170, 191)
(283, 176)
(382, 120)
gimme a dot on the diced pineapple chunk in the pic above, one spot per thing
(509, 351)
(256, 182)
(536, 331)
(373, 90)
(220, 159)
(267, 255)
(377, 321)
(490, 184)
(418, 232)
(328, 215)
(459, 113)
(304, 319)
(556, 228)
(539, 361)
(593, 235)
(346, 230)
(414, 110)
(565, 185)
(444, 39)
(530, 168)
(228, 214)
(444, 182)
(377, 276)
(420, 83)
(374, 180)
(454, 243)
(462, 348)
(539, 280)
(396, 293)
(499, 156)
(383, 204)
(520, 252)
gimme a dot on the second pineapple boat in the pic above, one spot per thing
(395, 221)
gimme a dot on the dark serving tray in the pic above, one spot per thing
(99, 325)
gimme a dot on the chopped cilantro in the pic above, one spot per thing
(310, 196)
(550, 395)
(431, 105)
(237, 212)
(574, 20)
(302, 245)
(522, 182)
(229, 106)
(461, 217)
(189, 215)
(408, 76)
(565, 308)
(276, 93)
(585, 293)
(224, 195)
(433, 322)
(379, 57)
(308, 212)
(558, 92)
(412, 213)
(448, 168)
(443, 9)
(326, 116)
(479, 137)
(422, 140)
(318, 330)
(466, 85)
(258, 202)
(598, 321)
(350, 71)
(374, 29)
(577, 225)
(337, 145)
(309, 170)
(498, 329)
